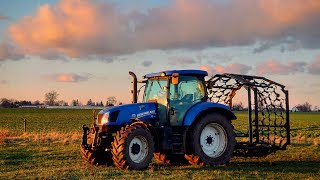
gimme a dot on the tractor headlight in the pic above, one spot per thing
(105, 118)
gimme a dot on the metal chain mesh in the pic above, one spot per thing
(272, 117)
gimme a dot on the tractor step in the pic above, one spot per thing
(177, 143)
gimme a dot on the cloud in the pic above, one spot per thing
(263, 46)
(213, 57)
(287, 44)
(269, 67)
(314, 66)
(234, 68)
(4, 17)
(68, 77)
(7, 51)
(3, 82)
(203, 23)
(74, 28)
(79, 28)
(273, 67)
(181, 60)
(146, 63)
(207, 68)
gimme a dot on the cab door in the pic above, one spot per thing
(157, 91)
(189, 91)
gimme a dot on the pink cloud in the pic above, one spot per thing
(67, 77)
(73, 28)
(275, 67)
(3, 82)
(207, 68)
(205, 23)
(79, 28)
(314, 66)
(234, 68)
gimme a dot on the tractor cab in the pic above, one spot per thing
(175, 92)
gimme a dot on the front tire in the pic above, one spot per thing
(96, 158)
(133, 148)
(214, 139)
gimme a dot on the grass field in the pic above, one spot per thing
(50, 150)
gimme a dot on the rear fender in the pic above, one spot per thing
(204, 107)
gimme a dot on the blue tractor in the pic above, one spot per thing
(176, 121)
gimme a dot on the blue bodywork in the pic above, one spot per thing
(180, 72)
(197, 109)
(148, 112)
(144, 111)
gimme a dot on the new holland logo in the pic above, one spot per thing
(143, 114)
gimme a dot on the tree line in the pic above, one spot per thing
(51, 99)
(305, 107)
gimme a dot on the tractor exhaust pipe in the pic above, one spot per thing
(134, 87)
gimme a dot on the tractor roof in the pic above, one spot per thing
(180, 72)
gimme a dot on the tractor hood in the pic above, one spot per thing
(122, 114)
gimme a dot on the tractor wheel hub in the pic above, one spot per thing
(135, 149)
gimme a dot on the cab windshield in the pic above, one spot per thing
(156, 91)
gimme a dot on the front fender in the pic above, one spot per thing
(195, 111)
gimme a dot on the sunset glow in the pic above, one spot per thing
(84, 49)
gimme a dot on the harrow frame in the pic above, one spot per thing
(268, 111)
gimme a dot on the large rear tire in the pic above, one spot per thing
(213, 140)
(133, 148)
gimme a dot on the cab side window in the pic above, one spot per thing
(188, 92)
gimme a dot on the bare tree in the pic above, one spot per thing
(51, 97)
(238, 107)
(111, 101)
(74, 102)
(305, 107)
(62, 103)
(7, 103)
(37, 102)
(89, 103)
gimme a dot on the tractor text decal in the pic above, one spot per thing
(147, 113)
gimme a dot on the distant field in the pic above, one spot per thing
(62, 120)
(50, 150)
(71, 120)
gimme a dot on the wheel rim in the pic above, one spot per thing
(138, 149)
(213, 140)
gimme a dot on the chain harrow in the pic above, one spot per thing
(268, 112)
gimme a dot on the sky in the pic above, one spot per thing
(85, 49)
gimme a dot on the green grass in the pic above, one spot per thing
(301, 124)
(59, 160)
(62, 120)
(40, 155)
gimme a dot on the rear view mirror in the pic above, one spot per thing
(175, 78)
